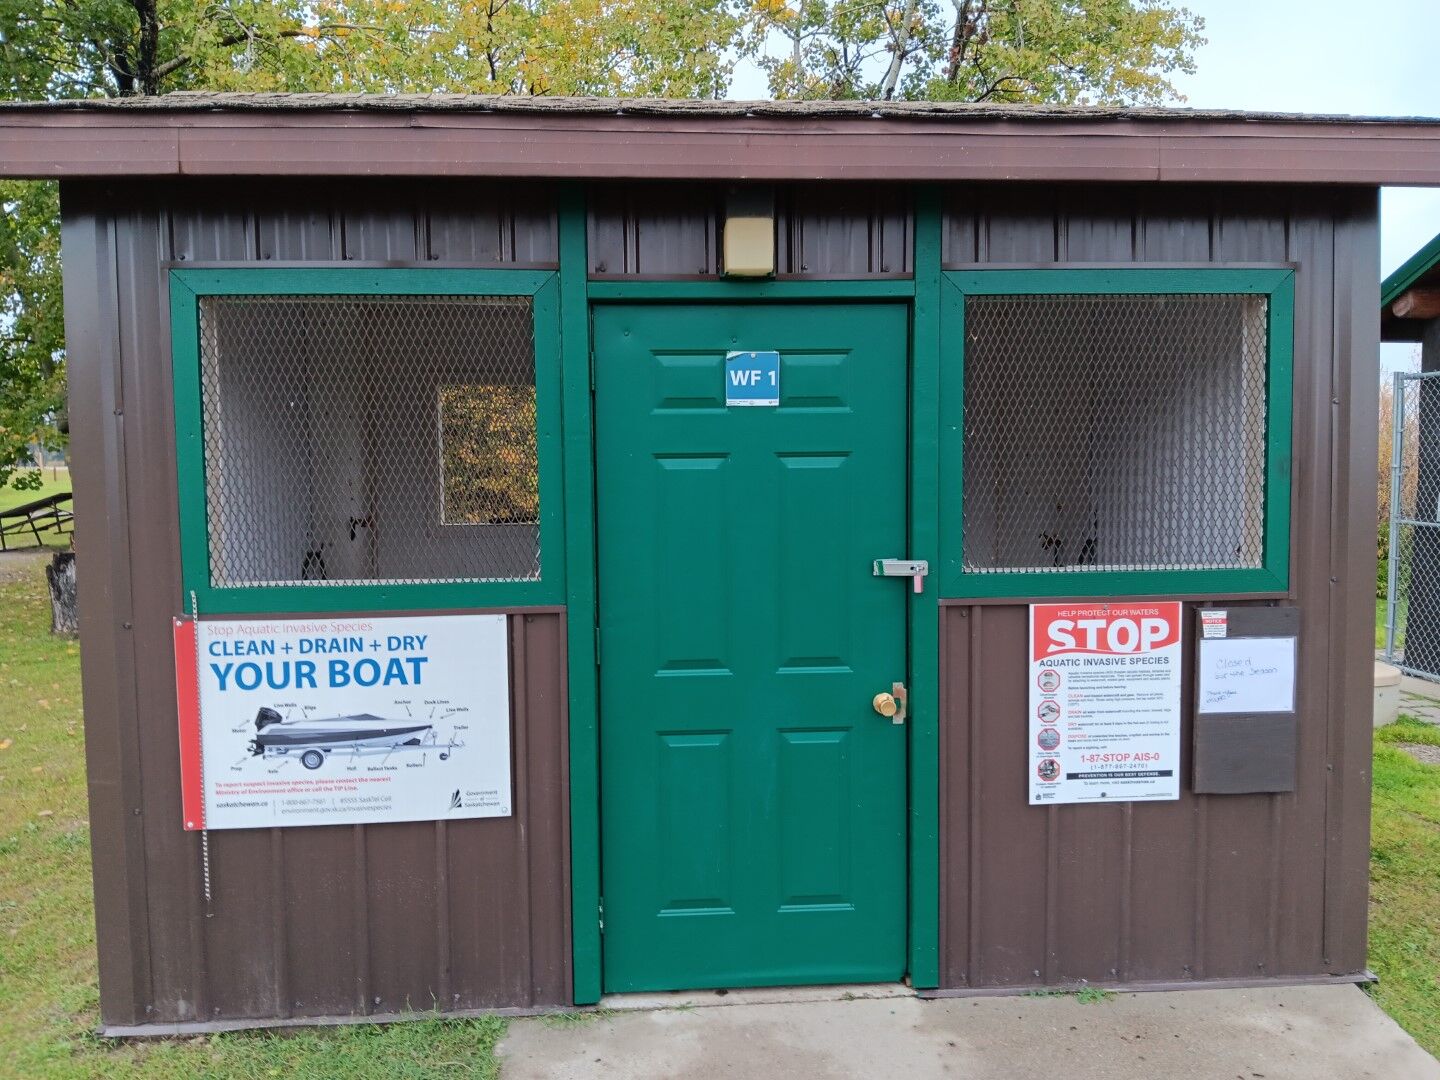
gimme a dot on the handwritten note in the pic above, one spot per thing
(1247, 675)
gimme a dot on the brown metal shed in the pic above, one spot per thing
(1144, 220)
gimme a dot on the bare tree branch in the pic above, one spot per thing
(998, 83)
(899, 50)
(959, 41)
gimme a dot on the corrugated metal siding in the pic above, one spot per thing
(321, 921)
(821, 231)
(306, 921)
(1209, 887)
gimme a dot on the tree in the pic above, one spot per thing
(85, 48)
(95, 48)
(1409, 457)
(1055, 51)
(32, 337)
(1409, 484)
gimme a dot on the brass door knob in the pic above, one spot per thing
(884, 704)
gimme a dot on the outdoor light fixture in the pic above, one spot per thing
(749, 233)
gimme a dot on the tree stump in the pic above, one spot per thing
(64, 617)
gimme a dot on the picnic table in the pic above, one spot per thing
(50, 514)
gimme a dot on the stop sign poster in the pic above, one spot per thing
(1104, 702)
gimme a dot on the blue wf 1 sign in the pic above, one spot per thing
(752, 378)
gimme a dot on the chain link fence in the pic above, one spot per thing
(1410, 532)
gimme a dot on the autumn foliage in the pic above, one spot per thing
(488, 458)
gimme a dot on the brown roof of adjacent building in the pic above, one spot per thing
(1410, 294)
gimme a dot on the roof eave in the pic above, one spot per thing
(681, 141)
(1410, 272)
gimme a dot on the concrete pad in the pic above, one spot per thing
(1413, 686)
(1281, 1033)
(1424, 709)
(752, 995)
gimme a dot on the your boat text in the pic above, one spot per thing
(305, 674)
(345, 663)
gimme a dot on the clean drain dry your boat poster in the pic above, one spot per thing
(1104, 702)
(342, 721)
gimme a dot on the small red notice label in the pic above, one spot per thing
(1213, 623)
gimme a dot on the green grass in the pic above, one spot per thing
(53, 482)
(1405, 882)
(1408, 730)
(576, 1019)
(48, 997)
(1086, 995)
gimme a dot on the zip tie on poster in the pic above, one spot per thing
(204, 833)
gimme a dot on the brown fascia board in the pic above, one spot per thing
(231, 137)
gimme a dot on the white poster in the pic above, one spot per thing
(1247, 675)
(323, 721)
(1104, 702)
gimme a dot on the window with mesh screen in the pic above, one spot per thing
(369, 439)
(1114, 432)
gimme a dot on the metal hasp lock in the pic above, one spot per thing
(915, 569)
(894, 704)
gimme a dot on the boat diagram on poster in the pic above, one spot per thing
(281, 738)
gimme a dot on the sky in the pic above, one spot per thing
(1318, 56)
(1328, 56)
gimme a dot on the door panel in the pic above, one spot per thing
(752, 801)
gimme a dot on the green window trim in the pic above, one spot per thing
(925, 521)
(1272, 577)
(581, 617)
(188, 286)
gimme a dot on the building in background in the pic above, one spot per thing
(1410, 312)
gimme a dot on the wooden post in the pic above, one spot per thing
(1417, 304)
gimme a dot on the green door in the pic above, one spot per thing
(752, 800)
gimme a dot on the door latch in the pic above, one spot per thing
(915, 569)
(902, 701)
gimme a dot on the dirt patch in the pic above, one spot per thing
(1430, 755)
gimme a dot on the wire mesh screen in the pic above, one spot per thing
(369, 439)
(1409, 575)
(1114, 432)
